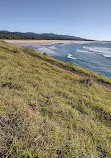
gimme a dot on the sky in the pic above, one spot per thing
(89, 19)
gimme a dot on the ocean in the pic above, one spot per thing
(95, 56)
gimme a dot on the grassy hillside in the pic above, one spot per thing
(47, 111)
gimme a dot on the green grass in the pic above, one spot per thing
(46, 111)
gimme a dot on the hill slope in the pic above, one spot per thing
(47, 111)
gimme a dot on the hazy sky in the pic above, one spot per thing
(85, 18)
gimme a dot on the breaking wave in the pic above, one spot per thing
(106, 52)
(70, 56)
(46, 50)
(82, 51)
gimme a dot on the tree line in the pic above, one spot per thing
(23, 36)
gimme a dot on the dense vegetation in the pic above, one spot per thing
(47, 111)
(24, 36)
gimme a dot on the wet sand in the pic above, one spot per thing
(38, 41)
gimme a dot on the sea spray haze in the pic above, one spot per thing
(95, 56)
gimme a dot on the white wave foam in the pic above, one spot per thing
(52, 47)
(82, 51)
(77, 42)
(103, 43)
(83, 42)
(70, 56)
(106, 52)
(46, 50)
(67, 43)
(107, 56)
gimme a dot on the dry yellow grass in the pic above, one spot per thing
(46, 111)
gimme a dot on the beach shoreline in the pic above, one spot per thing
(40, 41)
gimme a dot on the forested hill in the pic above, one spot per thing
(35, 36)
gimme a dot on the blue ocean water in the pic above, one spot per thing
(95, 56)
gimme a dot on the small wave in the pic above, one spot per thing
(46, 50)
(83, 42)
(67, 43)
(52, 47)
(70, 56)
(103, 43)
(107, 56)
(82, 51)
(77, 42)
(106, 52)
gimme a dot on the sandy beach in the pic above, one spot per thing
(38, 41)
